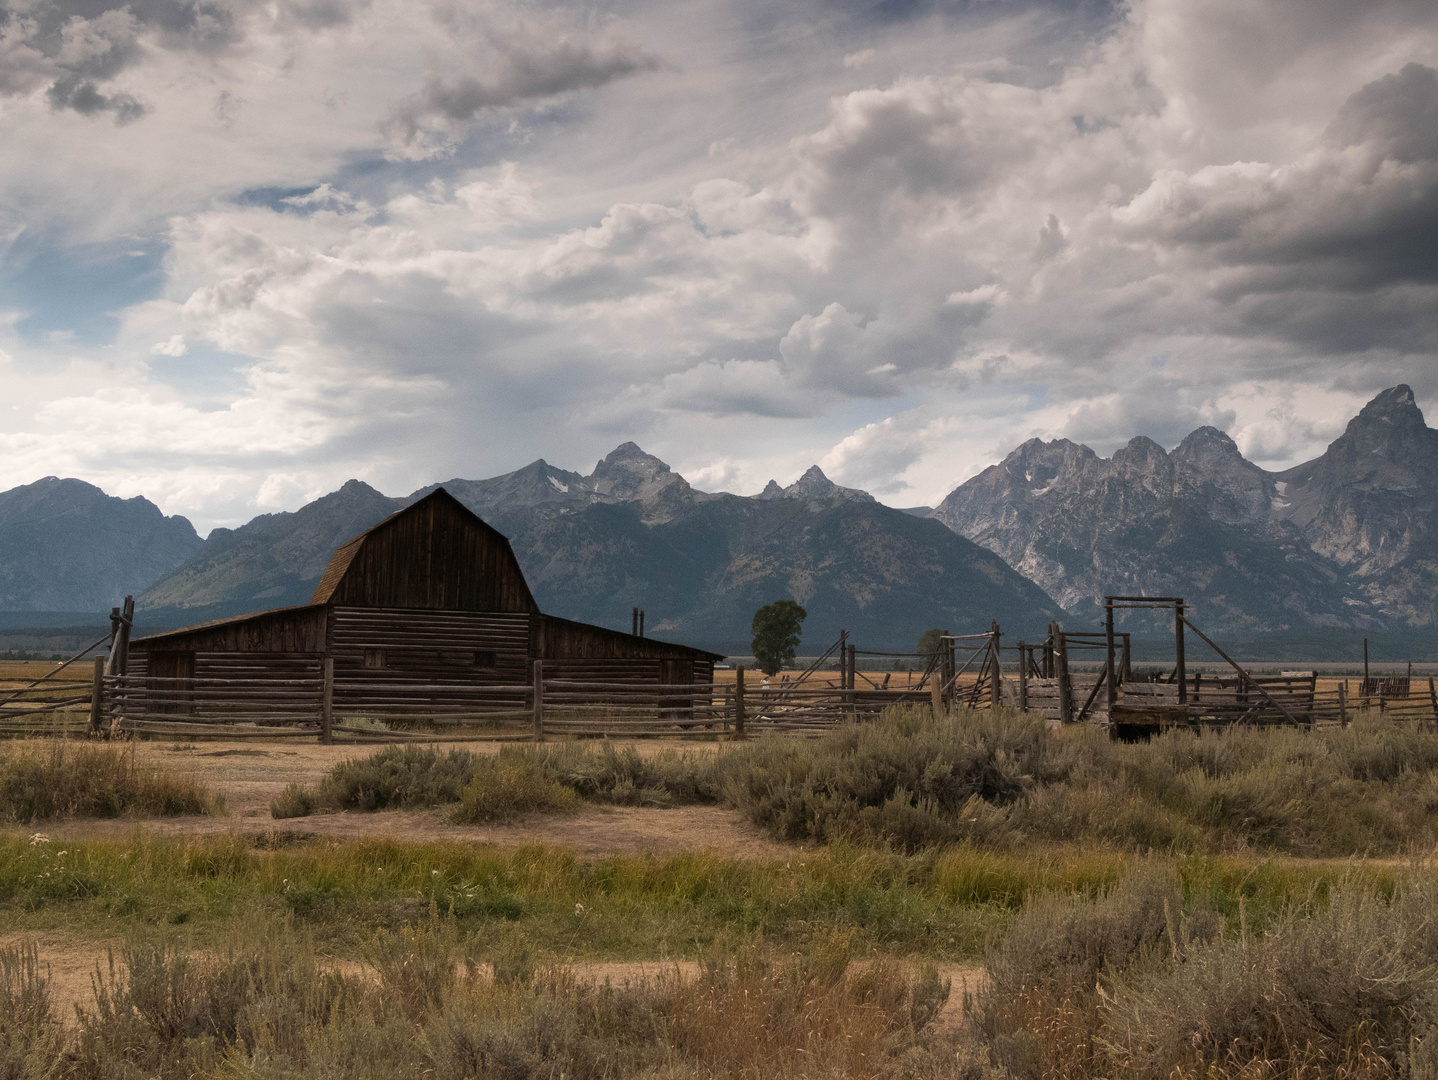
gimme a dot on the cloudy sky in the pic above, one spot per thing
(249, 250)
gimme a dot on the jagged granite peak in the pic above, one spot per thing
(65, 545)
(628, 474)
(1370, 503)
(1208, 465)
(1347, 539)
(815, 487)
(625, 470)
(1146, 521)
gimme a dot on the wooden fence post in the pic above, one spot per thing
(327, 700)
(996, 691)
(97, 696)
(539, 701)
(1433, 697)
(1181, 667)
(1343, 703)
(1023, 678)
(1109, 668)
(1061, 665)
(936, 689)
(739, 702)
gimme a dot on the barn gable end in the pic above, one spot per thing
(434, 555)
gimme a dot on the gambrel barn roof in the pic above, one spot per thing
(435, 554)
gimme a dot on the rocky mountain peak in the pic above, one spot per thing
(1142, 456)
(625, 470)
(1394, 405)
(1208, 445)
(772, 490)
(1387, 443)
(1208, 466)
(814, 485)
(353, 488)
(65, 545)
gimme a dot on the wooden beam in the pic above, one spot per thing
(996, 690)
(1180, 671)
(327, 700)
(1108, 670)
(739, 702)
(1023, 678)
(1234, 664)
(1092, 694)
(1061, 664)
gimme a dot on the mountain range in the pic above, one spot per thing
(1344, 544)
(1348, 540)
(634, 533)
(66, 546)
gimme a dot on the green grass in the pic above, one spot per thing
(945, 905)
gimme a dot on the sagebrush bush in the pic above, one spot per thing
(1131, 984)
(265, 1005)
(993, 779)
(1001, 780)
(550, 778)
(295, 801)
(504, 788)
(65, 779)
(396, 777)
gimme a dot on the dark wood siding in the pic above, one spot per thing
(444, 655)
(288, 630)
(173, 690)
(434, 555)
(575, 650)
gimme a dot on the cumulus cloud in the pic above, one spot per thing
(898, 248)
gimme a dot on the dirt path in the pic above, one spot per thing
(73, 962)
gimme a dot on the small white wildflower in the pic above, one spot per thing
(579, 909)
(39, 838)
(434, 873)
(59, 853)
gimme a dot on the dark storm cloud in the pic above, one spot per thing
(1398, 112)
(1338, 250)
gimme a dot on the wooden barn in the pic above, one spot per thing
(426, 614)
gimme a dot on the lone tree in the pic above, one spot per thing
(776, 634)
(931, 644)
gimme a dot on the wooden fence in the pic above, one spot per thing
(306, 700)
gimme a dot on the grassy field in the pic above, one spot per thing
(1253, 904)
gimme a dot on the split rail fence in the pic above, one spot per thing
(302, 698)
